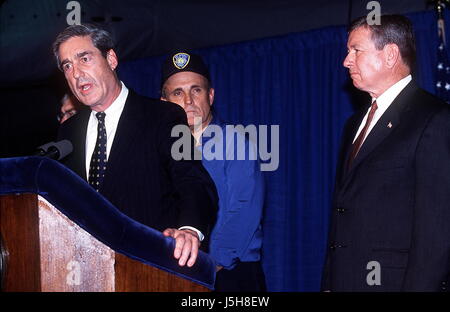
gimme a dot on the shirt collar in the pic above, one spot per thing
(390, 94)
(117, 106)
(119, 102)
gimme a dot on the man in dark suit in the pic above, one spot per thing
(391, 208)
(122, 145)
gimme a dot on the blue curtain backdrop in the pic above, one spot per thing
(297, 82)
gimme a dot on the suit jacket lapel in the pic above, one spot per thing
(384, 127)
(79, 137)
(347, 141)
(126, 134)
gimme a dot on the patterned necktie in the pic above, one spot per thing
(98, 161)
(360, 139)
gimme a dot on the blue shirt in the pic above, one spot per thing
(237, 235)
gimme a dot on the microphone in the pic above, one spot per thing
(56, 151)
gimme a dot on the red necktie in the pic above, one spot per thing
(359, 140)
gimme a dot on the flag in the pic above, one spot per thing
(443, 65)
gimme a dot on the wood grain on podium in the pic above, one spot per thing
(147, 278)
(48, 252)
(21, 220)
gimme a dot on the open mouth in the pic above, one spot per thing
(85, 88)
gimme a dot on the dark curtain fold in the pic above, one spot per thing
(297, 82)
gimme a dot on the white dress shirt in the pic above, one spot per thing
(112, 116)
(383, 102)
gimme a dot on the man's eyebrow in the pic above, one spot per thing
(190, 88)
(177, 89)
(356, 45)
(81, 54)
(78, 55)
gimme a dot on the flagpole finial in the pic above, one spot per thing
(440, 6)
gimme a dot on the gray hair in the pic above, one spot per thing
(395, 29)
(101, 39)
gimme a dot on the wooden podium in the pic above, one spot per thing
(46, 251)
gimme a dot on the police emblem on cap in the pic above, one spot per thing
(180, 60)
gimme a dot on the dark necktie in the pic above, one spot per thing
(98, 161)
(359, 140)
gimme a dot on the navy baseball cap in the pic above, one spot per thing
(183, 62)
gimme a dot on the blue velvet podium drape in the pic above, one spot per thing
(298, 82)
(84, 206)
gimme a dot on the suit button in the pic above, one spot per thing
(341, 210)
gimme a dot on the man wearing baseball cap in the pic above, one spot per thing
(236, 238)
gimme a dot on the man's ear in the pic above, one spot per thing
(211, 96)
(112, 60)
(392, 54)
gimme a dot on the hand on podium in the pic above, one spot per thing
(186, 245)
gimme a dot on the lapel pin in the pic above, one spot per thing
(389, 125)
